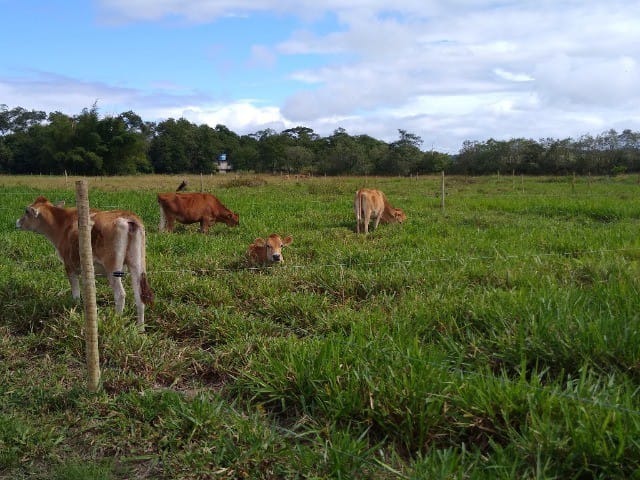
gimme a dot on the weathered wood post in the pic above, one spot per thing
(88, 282)
(442, 193)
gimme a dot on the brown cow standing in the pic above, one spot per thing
(190, 208)
(117, 239)
(369, 203)
(268, 250)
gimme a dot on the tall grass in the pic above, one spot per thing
(496, 339)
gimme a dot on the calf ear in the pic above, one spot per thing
(259, 242)
(287, 240)
(34, 212)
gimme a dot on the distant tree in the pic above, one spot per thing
(34, 142)
(339, 153)
(125, 146)
(172, 146)
(404, 155)
(246, 156)
(432, 162)
(19, 119)
(6, 157)
(271, 151)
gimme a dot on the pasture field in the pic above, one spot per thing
(499, 338)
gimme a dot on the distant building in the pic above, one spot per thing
(223, 165)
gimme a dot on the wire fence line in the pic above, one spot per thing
(500, 190)
(199, 272)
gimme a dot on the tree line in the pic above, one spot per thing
(33, 141)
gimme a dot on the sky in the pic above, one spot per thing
(447, 71)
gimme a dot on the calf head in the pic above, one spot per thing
(269, 250)
(230, 219)
(399, 215)
(31, 219)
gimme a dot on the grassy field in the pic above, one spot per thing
(499, 338)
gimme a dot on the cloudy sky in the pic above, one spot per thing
(448, 71)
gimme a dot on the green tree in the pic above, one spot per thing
(432, 162)
(19, 119)
(404, 154)
(172, 145)
(246, 156)
(125, 147)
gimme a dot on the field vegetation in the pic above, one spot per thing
(497, 338)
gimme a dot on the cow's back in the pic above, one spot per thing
(106, 224)
(370, 202)
(186, 207)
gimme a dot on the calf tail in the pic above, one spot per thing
(146, 294)
(358, 208)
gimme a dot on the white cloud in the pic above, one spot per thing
(448, 71)
(594, 82)
(512, 77)
(246, 116)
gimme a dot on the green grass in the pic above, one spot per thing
(497, 339)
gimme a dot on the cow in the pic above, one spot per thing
(264, 251)
(190, 208)
(117, 240)
(182, 187)
(370, 203)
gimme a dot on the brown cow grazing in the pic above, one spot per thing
(117, 239)
(190, 208)
(268, 250)
(369, 203)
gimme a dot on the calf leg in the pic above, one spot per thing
(119, 294)
(136, 262)
(74, 280)
(114, 264)
(204, 225)
(163, 221)
(170, 223)
(375, 224)
(137, 295)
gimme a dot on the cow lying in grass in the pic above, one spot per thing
(117, 239)
(190, 208)
(265, 251)
(369, 203)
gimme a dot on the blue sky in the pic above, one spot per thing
(446, 70)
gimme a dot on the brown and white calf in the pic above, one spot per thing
(268, 250)
(117, 240)
(190, 208)
(369, 203)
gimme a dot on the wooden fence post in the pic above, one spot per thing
(88, 282)
(442, 193)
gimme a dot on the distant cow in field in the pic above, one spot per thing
(117, 239)
(182, 187)
(190, 208)
(268, 250)
(370, 203)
